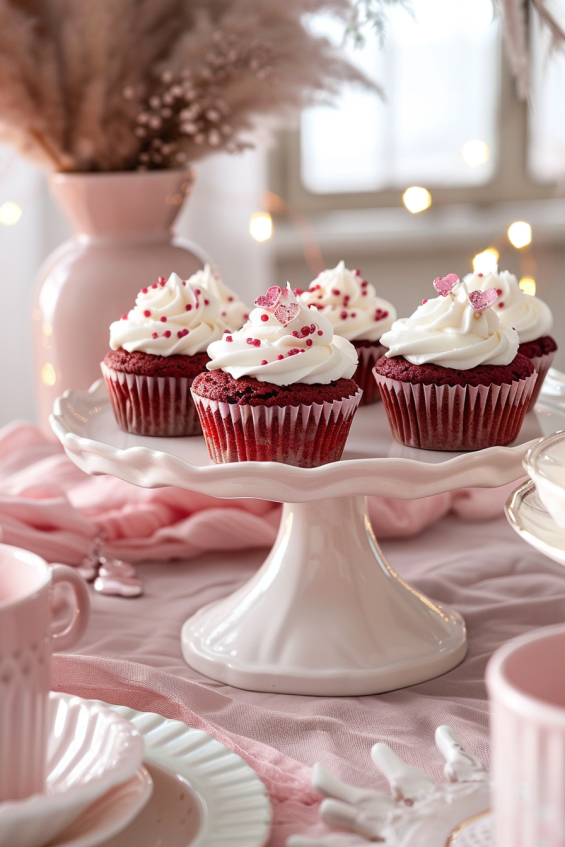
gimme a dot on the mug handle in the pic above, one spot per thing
(77, 627)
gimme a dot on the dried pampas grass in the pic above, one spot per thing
(106, 85)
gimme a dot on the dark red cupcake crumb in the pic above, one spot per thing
(538, 347)
(400, 369)
(365, 343)
(221, 386)
(148, 364)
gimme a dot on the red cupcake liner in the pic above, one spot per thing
(305, 435)
(363, 376)
(542, 364)
(455, 417)
(152, 405)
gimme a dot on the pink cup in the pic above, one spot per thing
(26, 647)
(526, 684)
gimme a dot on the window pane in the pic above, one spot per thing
(439, 71)
(546, 156)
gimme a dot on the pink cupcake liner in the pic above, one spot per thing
(363, 376)
(542, 364)
(305, 435)
(455, 417)
(152, 405)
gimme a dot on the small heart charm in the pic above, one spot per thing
(481, 300)
(287, 314)
(444, 284)
(269, 299)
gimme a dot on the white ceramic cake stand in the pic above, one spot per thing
(325, 614)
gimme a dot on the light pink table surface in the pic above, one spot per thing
(500, 585)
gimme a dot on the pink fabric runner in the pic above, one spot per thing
(51, 507)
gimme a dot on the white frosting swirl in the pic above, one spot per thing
(530, 316)
(169, 318)
(350, 303)
(444, 331)
(233, 311)
(305, 350)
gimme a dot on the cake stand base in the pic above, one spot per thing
(324, 615)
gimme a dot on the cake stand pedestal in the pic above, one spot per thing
(325, 614)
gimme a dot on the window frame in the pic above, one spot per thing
(511, 180)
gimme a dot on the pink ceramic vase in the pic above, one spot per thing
(123, 240)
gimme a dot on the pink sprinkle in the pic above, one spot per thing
(230, 299)
(229, 338)
(124, 317)
(144, 290)
(147, 313)
(167, 333)
(154, 335)
(249, 340)
(425, 300)
(188, 307)
(364, 293)
(256, 342)
(182, 332)
(206, 302)
(184, 282)
(264, 362)
(336, 292)
(364, 284)
(223, 314)
(154, 285)
(346, 299)
(385, 314)
(357, 272)
(501, 305)
(246, 317)
(280, 357)
(320, 332)
(264, 317)
(353, 314)
(480, 275)
(164, 319)
(309, 342)
(197, 291)
(161, 280)
(312, 327)
(343, 315)
(499, 291)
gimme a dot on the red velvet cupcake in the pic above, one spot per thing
(280, 389)
(530, 317)
(351, 305)
(452, 378)
(157, 351)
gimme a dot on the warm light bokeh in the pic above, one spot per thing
(10, 213)
(475, 153)
(528, 285)
(416, 199)
(261, 226)
(520, 234)
(486, 262)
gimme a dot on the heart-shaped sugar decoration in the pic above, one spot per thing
(287, 314)
(269, 299)
(481, 300)
(444, 284)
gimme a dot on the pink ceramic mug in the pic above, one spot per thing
(526, 684)
(26, 646)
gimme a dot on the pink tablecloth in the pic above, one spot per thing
(500, 585)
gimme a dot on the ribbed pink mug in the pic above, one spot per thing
(26, 647)
(526, 684)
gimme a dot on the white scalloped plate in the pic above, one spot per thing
(528, 516)
(90, 750)
(373, 462)
(109, 814)
(204, 795)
